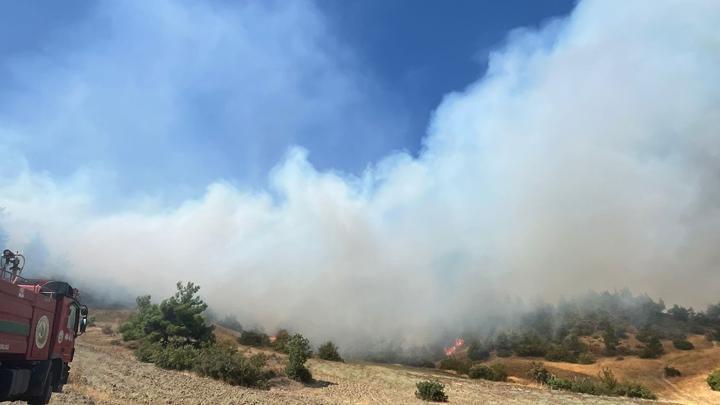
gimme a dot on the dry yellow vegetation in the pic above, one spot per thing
(107, 373)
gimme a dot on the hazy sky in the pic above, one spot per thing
(368, 171)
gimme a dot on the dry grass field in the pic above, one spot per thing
(105, 372)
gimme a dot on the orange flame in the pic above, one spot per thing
(449, 351)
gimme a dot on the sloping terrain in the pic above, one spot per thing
(690, 388)
(107, 373)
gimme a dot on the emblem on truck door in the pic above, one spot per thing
(42, 330)
(60, 336)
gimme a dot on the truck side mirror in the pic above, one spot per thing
(83, 319)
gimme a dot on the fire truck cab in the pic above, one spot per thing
(39, 321)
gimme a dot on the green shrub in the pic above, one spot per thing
(298, 372)
(608, 380)
(634, 390)
(504, 352)
(672, 372)
(713, 380)
(174, 335)
(585, 385)
(178, 319)
(146, 351)
(298, 349)
(453, 363)
(557, 383)
(683, 344)
(223, 362)
(254, 338)
(607, 385)
(173, 357)
(496, 372)
(653, 349)
(328, 351)
(431, 391)
(136, 326)
(538, 373)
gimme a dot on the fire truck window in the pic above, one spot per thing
(72, 317)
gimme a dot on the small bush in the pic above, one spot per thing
(298, 349)
(298, 372)
(223, 362)
(254, 338)
(653, 349)
(539, 373)
(504, 352)
(634, 390)
(496, 372)
(107, 329)
(176, 357)
(146, 351)
(91, 320)
(453, 363)
(713, 380)
(608, 380)
(584, 385)
(431, 391)
(328, 351)
(557, 383)
(682, 344)
(672, 372)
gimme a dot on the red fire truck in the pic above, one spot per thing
(39, 321)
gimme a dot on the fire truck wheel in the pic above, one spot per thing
(47, 391)
(60, 378)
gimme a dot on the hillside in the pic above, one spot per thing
(690, 388)
(105, 372)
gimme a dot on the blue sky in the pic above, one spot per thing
(165, 98)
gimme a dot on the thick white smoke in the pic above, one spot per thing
(587, 157)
